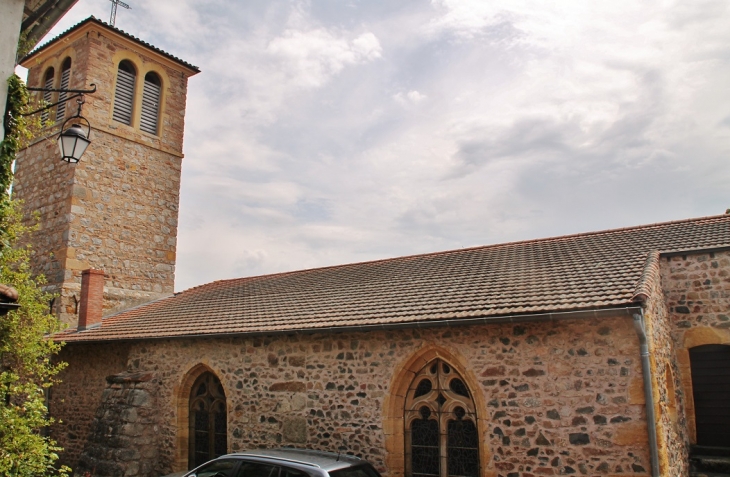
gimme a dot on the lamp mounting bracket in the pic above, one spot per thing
(76, 94)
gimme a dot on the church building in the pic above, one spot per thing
(604, 353)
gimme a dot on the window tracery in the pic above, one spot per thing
(440, 425)
(208, 436)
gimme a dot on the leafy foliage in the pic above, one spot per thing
(19, 129)
(27, 368)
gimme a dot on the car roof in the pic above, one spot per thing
(328, 461)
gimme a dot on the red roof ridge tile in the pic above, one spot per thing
(648, 278)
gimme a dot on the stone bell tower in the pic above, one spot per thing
(117, 209)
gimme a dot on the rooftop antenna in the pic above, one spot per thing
(113, 17)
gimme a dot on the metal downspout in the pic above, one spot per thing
(640, 327)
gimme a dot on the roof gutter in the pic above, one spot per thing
(455, 322)
(640, 326)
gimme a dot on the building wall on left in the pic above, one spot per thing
(11, 15)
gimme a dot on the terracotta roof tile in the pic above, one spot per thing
(571, 273)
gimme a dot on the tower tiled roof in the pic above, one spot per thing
(588, 271)
(96, 21)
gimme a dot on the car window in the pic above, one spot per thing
(256, 469)
(217, 468)
(357, 471)
(292, 473)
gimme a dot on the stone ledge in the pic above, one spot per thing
(123, 378)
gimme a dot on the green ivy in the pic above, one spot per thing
(27, 366)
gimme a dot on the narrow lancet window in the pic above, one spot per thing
(124, 93)
(47, 95)
(65, 81)
(208, 429)
(150, 103)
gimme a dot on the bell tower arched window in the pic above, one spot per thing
(208, 435)
(150, 103)
(47, 95)
(124, 93)
(65, 80)
(440, 425)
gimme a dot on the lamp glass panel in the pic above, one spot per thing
(80, 147)
(72, 146)
(66, 144)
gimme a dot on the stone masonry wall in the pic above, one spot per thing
(559, 398)
(697, 289)
(669, 400)
(123, 438)
(75, 400)
(697, 293)
(124, 221)
(117, 209)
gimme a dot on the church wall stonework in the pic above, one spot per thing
(75, 399)
(669, 399)
(559, 397)
(123, 433)
(697, 294)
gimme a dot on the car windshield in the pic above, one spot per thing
(217, 468)
(356, 471)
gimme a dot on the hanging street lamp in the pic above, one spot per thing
(72, 142)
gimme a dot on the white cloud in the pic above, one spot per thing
(310, 58)
(321, 135)
(410, 97)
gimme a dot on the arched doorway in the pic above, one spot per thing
(208, 437)
(441, 437)
(710, 366)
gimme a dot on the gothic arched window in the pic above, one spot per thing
(440, 425)
(150, 103)
(208, 435)
(65, 81)
(124, 93)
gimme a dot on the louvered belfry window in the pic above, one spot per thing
(124, 93)
(150, 103)
(47, 95)
(65, 80)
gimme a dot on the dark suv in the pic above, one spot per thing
(285, 462)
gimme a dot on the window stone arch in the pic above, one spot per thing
(185, 394)
(440, 424)
(405, 403)
(207, 416)
(691, 338)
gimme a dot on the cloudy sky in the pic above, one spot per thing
(329, 131)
